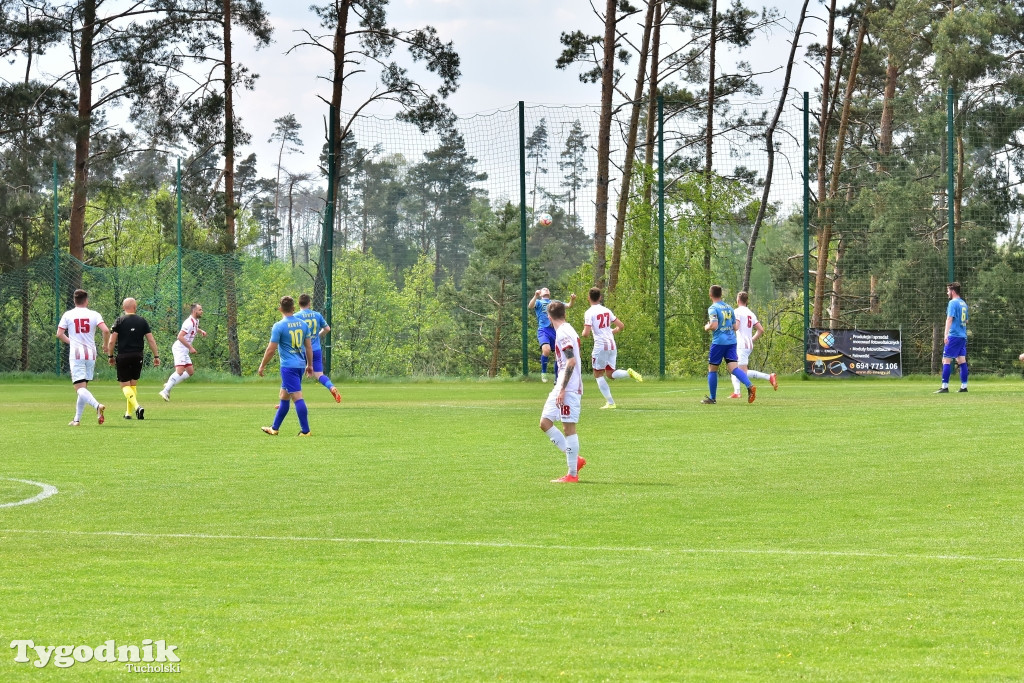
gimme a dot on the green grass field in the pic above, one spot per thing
(862, 530)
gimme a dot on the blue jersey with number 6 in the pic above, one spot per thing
(290, 334)
(723, 313)
(957, 310)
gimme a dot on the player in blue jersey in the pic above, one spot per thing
(545, 331)
(290, 337)
(955, 338)
(722, 324)
(318, 327)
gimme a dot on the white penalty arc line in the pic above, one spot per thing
(853, 554)
(47, 491)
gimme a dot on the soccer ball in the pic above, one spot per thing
(544, 219)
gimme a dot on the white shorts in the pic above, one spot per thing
(180, 352)
(568, 412)
(744, 356)
(602, 360)
(82, 370)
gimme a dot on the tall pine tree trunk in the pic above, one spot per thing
(709, 139)
(230, 286)
(83, 135)
(634, 125)
(604, 135)
(825, 232)
(769, 138)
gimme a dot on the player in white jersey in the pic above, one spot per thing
(748, 330)
(563, 404)
(77, 329)
(603, 324)
(181, 349)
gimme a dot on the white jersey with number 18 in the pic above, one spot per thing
(566, 339)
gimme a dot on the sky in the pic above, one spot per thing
(508, 50)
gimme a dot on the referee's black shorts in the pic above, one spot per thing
(129, 366)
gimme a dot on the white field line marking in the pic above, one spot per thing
(527, 546)
(47, 491)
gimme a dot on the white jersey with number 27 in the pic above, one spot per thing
(600, 320)
(81, 325)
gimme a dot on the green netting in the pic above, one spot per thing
(889, 256)
(427, 264)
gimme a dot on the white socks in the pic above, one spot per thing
(572, 451)
(752, 374)
(174, 379)
(557, 438)
(606, 391)
(619, 374)
(85, 398)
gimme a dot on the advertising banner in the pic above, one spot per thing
(854, 353)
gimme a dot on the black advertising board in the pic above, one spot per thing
(854, 353)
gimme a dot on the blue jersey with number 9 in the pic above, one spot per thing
(723, 313)
(290, 335)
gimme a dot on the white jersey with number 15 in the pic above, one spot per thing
(81, 325)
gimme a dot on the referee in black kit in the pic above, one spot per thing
(128, 333)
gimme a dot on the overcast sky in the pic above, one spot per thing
(508, 50)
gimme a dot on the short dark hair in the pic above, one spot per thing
(595, 294)
(80, 296)
(556, 310)
(742, 298)
(193, 307)
(287, 304)
(955, 286)
(716, 291)
(305, 299)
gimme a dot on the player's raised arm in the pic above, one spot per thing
(571, 301)
(534, 299)
(267, 355)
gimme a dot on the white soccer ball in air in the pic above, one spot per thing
(544, 219)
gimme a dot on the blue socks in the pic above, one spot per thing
(543, 363)
(947, 370)
(282, 410)
(326, 381)
(739, 374)
(963, 373)
(300, 410)
(713, 384)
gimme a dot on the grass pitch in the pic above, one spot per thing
(862, 530)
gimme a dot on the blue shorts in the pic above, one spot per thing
(546, 335)
(719, 352)
(955, 347)
(291, 379)
(318, 360)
